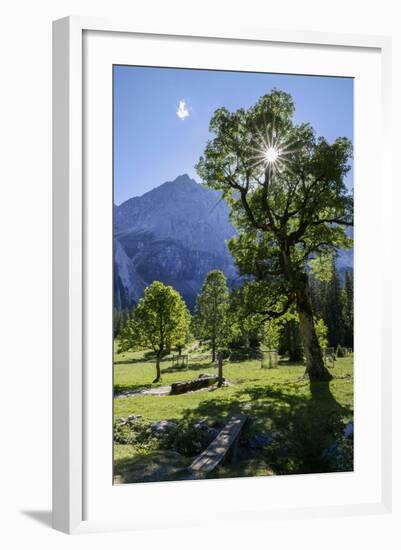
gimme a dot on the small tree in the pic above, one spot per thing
(211, 311)
(271, 333)
(160, 321)
(321, 332)
(246, 327)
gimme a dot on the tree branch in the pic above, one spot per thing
(265, 202)
(333, 220)
(273, 314)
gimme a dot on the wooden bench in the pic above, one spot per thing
(211, 457)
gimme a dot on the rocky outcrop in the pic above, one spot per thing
(175, 233)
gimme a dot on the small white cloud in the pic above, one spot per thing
(182, 111)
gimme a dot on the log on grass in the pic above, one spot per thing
(193, 385)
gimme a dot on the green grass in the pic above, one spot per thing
(307, 417)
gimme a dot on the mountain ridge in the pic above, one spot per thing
(175, 233)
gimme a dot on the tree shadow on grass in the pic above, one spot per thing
(186, 374)
(287, 363)
(130, 361)
(191, 366)
(302, 419)
(302, 424)
(156, 466)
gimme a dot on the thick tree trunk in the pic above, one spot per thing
(315, 368)
(158, 372)
(213, 350)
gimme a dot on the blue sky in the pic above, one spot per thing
(161, 116)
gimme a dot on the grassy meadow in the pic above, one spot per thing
(291, 421)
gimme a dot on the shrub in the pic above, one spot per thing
(187, 439)
(184, 438)
(134, 433)
(321, 333)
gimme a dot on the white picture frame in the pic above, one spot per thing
(70, 251)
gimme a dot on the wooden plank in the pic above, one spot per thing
(219, 447)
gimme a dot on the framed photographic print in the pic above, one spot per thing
(220, 340)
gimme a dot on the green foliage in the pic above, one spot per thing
(289, 338)
(307, 200)
(271, 334)
(321, 267)
(257, 302)
(329, 305)
(335, 304)
(321, 332)
(348, 309)
(247, 326)
(212, 320)
(138, 434)
(160, 321)
(334, 308)
(273, 329)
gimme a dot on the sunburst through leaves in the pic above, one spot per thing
(273, 151)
